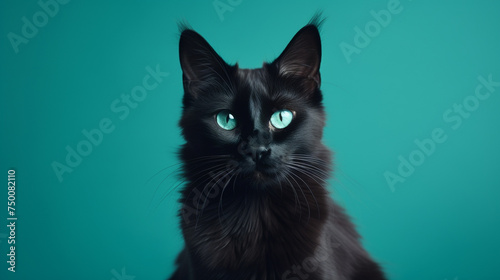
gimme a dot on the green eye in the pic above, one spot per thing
(282, 118)
(226, 120)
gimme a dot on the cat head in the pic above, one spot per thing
(262, 123)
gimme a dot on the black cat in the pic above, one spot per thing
(255, 204)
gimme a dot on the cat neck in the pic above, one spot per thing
(254, 228)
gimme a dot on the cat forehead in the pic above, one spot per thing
(255, 90)
(254, 79)
(259, 89)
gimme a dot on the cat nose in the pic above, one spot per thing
(259, 153)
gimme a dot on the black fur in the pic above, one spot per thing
(255, 203)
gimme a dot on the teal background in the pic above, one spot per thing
(105, 220)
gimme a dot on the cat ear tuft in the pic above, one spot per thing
(201, 65)
(302, 56)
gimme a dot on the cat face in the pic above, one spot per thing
(261, 121)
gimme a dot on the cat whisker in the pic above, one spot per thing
(219, 176)
(200, 181)
(303, 194)
(305, 197)
(181, 182)
(357, 191)
(182, 163)
(310, 160)
(311, 173)
(161, 170)
(201, 171)
(296, 196)
(337, 170)
(207, 174)
(222, 195)
(308, 173)
(353, 181)
(307, 156)
(206, 161)
(221, 173)
(307, 166)
(209, 159)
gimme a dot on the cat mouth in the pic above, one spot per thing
(259, 175)
(263, 172)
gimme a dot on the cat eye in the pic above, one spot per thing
(282, 118)
(226, 120)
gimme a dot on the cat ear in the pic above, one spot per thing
(302, 56)
(201, 65)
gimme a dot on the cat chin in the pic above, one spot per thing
(262, 178)
(257, 175)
